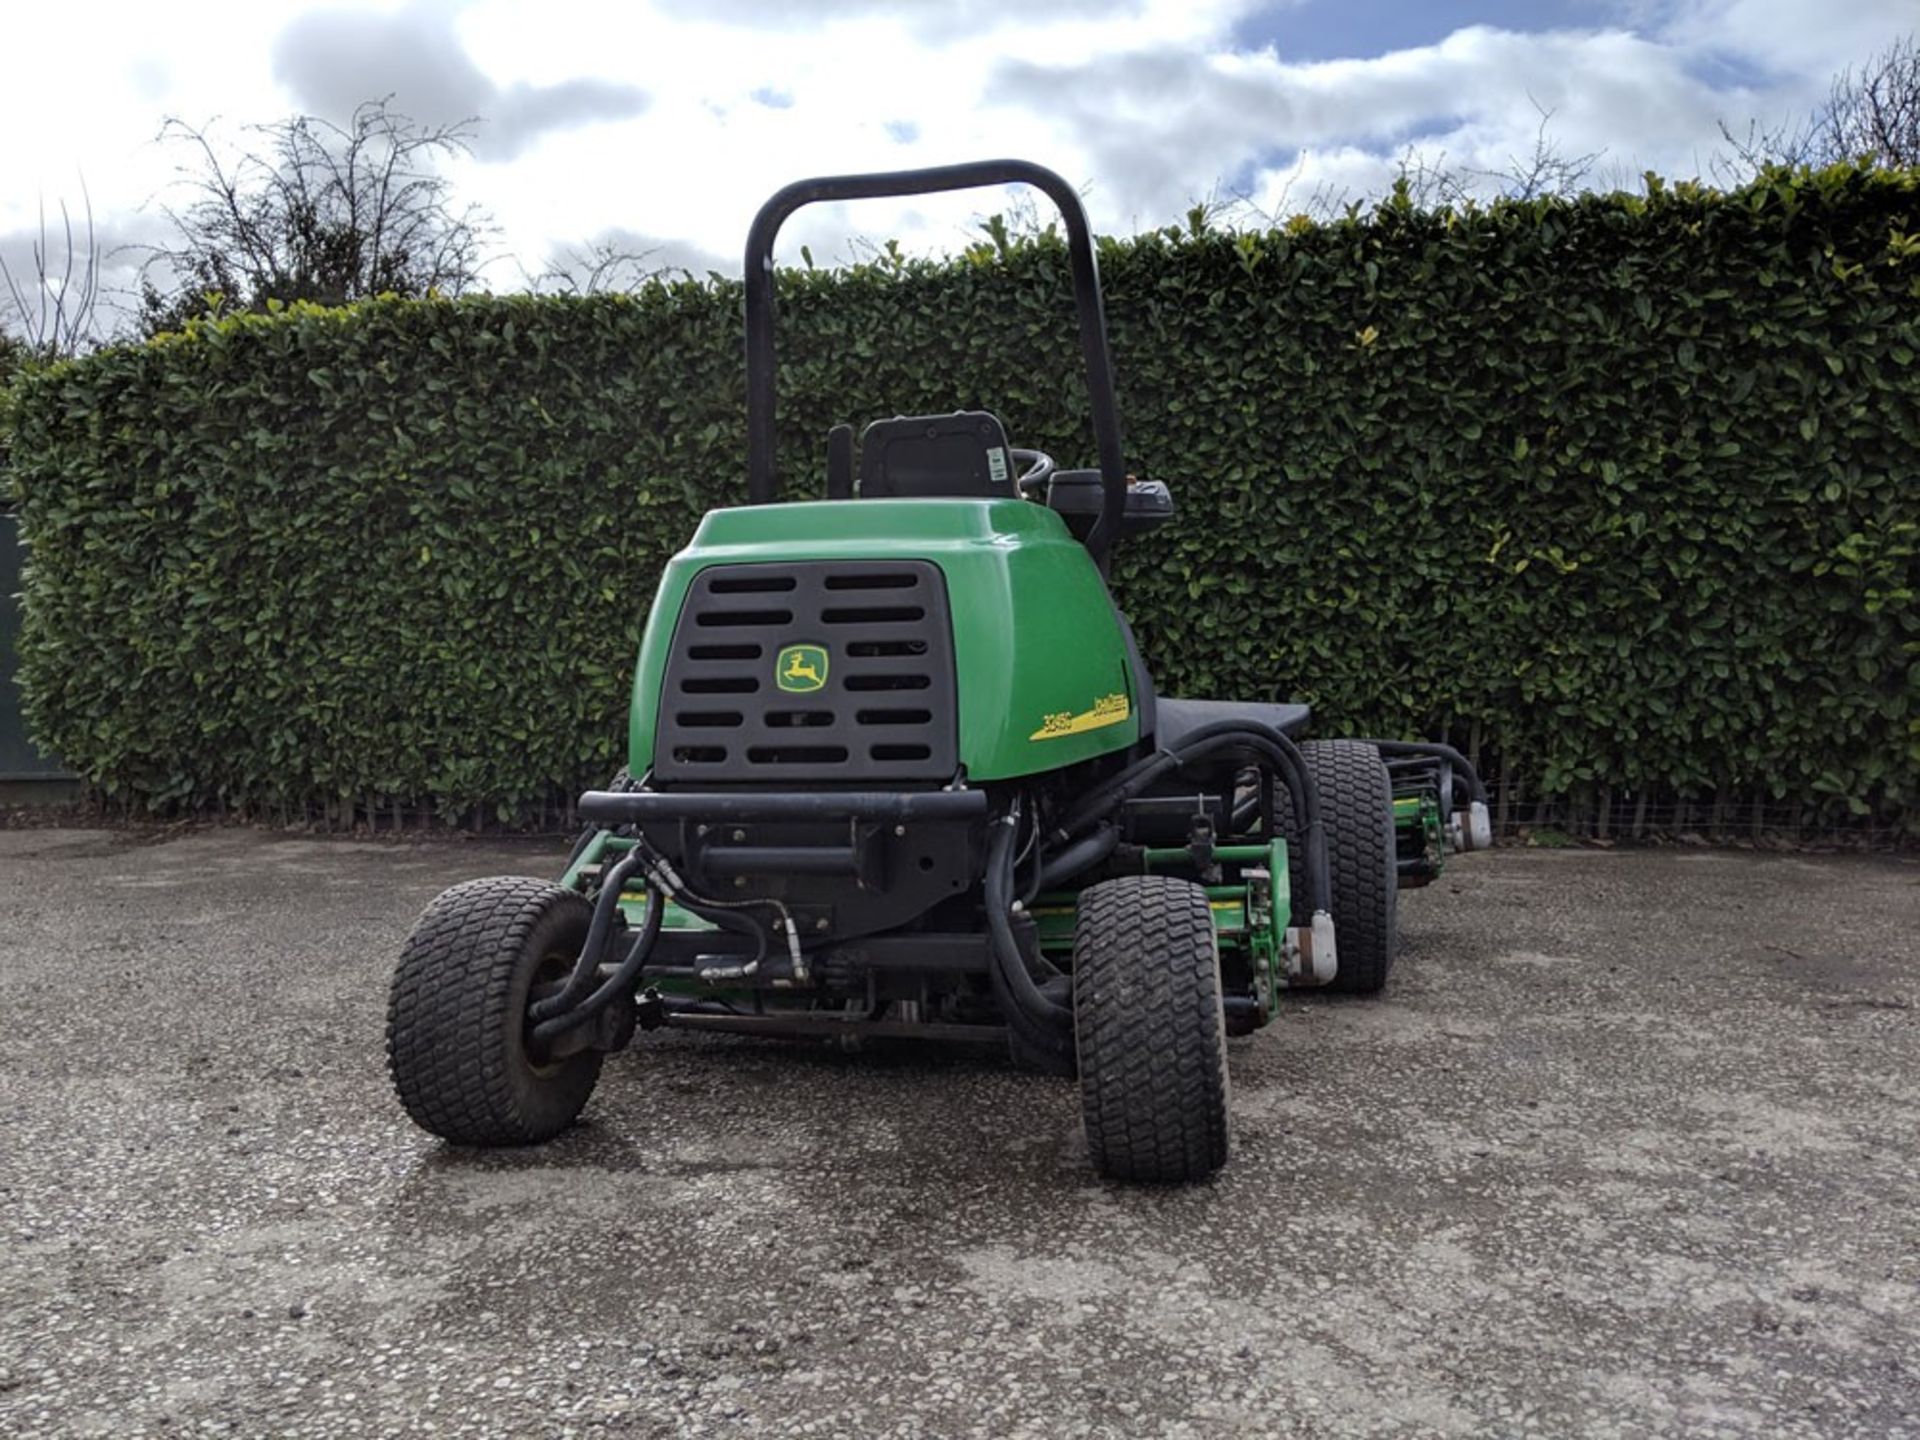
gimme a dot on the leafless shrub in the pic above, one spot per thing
(315, 211)
(51, 307)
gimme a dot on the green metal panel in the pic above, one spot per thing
(19, 760)
(1043, 674)
(1419, 836)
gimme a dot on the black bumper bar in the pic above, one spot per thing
(640, 807)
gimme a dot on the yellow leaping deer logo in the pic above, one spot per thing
(801, 669)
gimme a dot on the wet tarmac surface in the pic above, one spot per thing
(1630, 1146)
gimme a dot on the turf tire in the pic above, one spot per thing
(1356, 810)
(456, 1015)
(1150, 1030)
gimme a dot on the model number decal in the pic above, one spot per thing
(1107, 710)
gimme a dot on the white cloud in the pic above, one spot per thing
(674, 119)
(1158, 123)
(334, 60)
(1796, 38)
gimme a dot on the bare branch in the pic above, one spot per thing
(315, 211)
(1872, 117)
(1547, 171)
(1429, 183)
(1237, 206)
(601, 268)
(53, 314)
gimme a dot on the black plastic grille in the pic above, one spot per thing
(884, 708)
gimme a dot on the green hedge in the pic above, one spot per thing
(1624, 490)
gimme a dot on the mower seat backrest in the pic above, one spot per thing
(959, 456)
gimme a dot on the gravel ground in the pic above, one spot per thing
(1631, 1146)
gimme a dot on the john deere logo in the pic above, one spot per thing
(801, 669)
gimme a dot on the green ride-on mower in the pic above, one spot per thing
(897, 769)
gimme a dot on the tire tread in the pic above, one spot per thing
(1150, 1030)
(1356, 808)
(456, 1065)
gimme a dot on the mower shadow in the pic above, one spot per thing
(883, 1055)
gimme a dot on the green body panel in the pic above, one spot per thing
(1037, 645)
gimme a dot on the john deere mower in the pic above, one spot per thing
(896, 768)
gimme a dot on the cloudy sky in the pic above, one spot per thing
(665, 122)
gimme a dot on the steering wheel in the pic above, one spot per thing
(1040, 468)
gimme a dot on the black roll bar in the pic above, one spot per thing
(762, 482)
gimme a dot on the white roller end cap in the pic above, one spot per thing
(1479, 827)
(1326, 956)
(1472, 830)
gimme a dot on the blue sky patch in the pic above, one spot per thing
(1361, 29)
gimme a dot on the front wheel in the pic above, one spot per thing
(457, 1013)
(1150, 1028)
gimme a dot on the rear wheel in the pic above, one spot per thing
(1150, 1029)
(457, 1013)
(1356, 810)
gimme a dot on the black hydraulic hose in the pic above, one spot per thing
(1301, 790)
(1031, 889)
(565, 1009)
(734, 915)
(622, 978)
(1043, 1035)
(1100, 802)
(1051, 1039)
(1009, 964)
(1259, 805)
(1079, 856)
(1221, 734)
(736, 920)
(605, 907)
(1271, 743)
(1434, 750)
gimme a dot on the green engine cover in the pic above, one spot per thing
(1042, 665)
